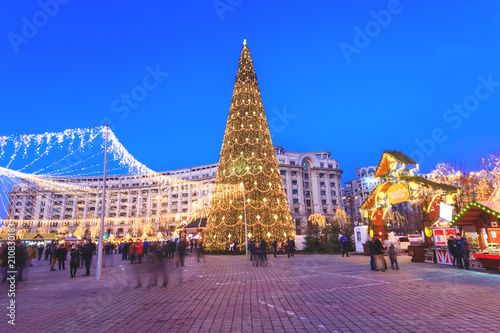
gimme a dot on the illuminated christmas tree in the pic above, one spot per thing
(247, 161)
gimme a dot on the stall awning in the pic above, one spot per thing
(41, 237)
(473, 212)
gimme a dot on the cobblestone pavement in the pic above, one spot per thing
(306, 293)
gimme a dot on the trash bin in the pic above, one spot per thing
(416, 252)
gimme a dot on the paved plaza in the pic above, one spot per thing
(306, 293)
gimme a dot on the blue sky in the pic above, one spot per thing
(353, 78)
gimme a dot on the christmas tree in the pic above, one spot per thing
(248, 172)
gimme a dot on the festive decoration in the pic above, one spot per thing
(318, 219)
(247, 160)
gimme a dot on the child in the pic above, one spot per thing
(393, 255)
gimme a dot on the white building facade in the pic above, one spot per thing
(357, 190)
(312, 183)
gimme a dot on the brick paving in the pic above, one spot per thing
(306, 293)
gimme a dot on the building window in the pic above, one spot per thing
(306, 176)
(292, 162)
(294, 182)
(296, 210)
(330, 166)
(309, 211)
(321, 175)
(294, 173)
(295, 192)
(333, 193)
(322, 184)
(322, 165)
(306, 184)
(295, 201)
(323, 192)
(334, 202)
(323, 202)
(308, 203)
(332, 184)
(283, 172)
(308, 194)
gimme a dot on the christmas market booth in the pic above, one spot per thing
(34, 238)
(441, 231)
(478, 223)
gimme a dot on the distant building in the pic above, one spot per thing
(357, 190)
(312, 183)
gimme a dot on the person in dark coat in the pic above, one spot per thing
(462, 252)
(48, 251)
(87, 252)
(252, 247)
(61, 256)
(40, 251)
(292, 247)
(263, 249)
(452, 248)
(125, 249)
(21, 258)
(75, 260)
(378, 252)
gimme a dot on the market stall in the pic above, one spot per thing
(441, 231)
(478, 223)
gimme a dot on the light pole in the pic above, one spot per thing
(101, 229)
(245, 215)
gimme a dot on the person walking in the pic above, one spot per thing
(40, 251)
(462, 252)
(132, 250)
(53, 256)
(181, 251)
(292, 247)
(140, 249)
(344, 241)
(452, 247)
(74, 261)
(235, 247)
(252, 247)
(61, 256)
(87, 252)
(275, 248)
(48, 251)
(231, 248)
(378, 252)
(145, 246)
(287, 247)
(393, 255)
(263, 249)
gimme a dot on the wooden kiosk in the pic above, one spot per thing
(479, 224)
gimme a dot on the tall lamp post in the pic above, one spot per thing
(245, 215)
(101, 229)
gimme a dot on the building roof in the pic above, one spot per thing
(388, 158)
(429, 183)
(474, 211)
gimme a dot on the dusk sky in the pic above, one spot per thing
(352, 78)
